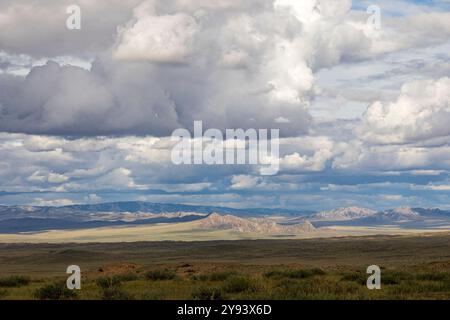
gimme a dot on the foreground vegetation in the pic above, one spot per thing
(220, 282)
(412, 268)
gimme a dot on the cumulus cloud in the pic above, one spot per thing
(422, 111)
(97, 105)
(39, 28)
(70, 100)
(164, 38)
(230, 64)
(52, 202)
(244, 182)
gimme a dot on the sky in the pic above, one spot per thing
(362, 101)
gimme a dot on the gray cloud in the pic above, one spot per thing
(38, 28)
(235, 66)
(160, 65)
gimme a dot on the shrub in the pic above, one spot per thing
(115, 293)
(111, 287)
(215, 276)
(125, 277)
(441, 276)
(161, 274)
(239, 284)
(321, 289)
(220, 276)
(55, 291)
(394, 277)
(3, 293)
(208, 293)
(108, 282)
(294, 274)
(387, 277)
(14, 281)
(154, 294)
(358, 277)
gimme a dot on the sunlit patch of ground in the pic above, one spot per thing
(190, 231)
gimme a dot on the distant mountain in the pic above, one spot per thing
(343, 214)
(401, 214)
(404, 217)
(118, 210)
(11, 226)
(432, 213)
(137, 206)
(15, 219)
(253, 225)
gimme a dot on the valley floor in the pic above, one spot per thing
(192, 231)
(332, 268)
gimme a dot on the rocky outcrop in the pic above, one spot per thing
(253, 225)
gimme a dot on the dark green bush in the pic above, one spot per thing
(55, 291)
(14, 281)
(316, 288)
(220, 276)
(238, 284)
(394, 277)
(161, 274)
(3, 293)
(108, 282)
(126, 277)
(439, 276)
(111, 287)
(115, 293)
(208, 293)
(294, 274)
(215, 276)
(359, 277)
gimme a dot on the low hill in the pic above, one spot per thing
(255, 225)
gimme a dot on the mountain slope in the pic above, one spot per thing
(256, 225)
(132, 210)
(343, 214)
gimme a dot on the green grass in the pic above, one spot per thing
(237, 282)
(294, 274)
(208, 293)
(412, 268)
(55, 291)
(14, 281)
(215, 276)
(108, 282)
(161, 274)
(116, 293)
(240, 283)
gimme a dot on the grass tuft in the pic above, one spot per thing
(294, 274)
(14, 281)
(55, 291)
(161, 274)
(208, 293)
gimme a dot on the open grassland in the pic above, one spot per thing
(413, 267)
(192, 231)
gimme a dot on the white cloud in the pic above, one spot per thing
(93, 198)
(52, 202)
(153, 66)
(439, 187)
(49, 177)
(241, 182)
(422, 111)
(153, 37)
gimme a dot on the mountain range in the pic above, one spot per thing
(404, 217)
(17, 219)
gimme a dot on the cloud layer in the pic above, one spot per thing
(86, 115)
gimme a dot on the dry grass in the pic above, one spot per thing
(412, 268)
